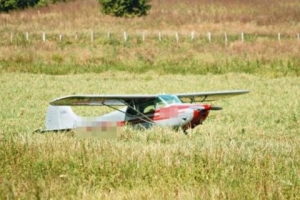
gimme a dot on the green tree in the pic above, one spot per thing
(125, 8)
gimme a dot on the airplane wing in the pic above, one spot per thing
(100, 100)
(123, 100)
(209, 96)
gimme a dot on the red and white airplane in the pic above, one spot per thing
(179, 111)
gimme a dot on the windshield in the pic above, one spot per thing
(168, 99)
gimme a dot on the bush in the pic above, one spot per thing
(7, 5)
(125, 8)
(47, 2)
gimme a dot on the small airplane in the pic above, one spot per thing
(179, 111)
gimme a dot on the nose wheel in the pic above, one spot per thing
(185, 132)
(186, 127)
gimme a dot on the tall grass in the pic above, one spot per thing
(258, 55)
(247, 150)
(189, 14)
(268, 58)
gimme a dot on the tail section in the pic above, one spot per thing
(60, 118)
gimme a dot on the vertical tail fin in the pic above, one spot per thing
(60, 118)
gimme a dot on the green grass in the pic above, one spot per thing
(248, 150)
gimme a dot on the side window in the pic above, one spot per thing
(159, 103)
(144, 108)
(131, 111)
(147, 107)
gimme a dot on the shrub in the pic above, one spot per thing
(7, 5)
(125, 8)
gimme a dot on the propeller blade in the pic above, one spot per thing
(209, 107)
(216, 108)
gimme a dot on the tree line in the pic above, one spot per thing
(118, 8)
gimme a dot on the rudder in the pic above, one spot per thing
(60, 118)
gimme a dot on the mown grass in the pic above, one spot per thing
(247, 150)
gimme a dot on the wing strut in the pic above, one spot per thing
(193, 99)
(205, 97)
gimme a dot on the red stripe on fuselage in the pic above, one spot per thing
(166, 113)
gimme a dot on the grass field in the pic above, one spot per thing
(260, 54)
(249, 150)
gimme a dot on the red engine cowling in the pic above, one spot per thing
(199, 117)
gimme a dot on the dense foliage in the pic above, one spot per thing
(7, 5)
(125, 8)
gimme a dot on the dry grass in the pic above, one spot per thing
(248, 150)
(201, 16)
(260, 54)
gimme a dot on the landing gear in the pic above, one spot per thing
(185, 132)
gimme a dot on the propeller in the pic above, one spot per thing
(207, 107)
(216, 108)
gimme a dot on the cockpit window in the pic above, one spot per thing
(160, 103)
(142, 108)
(150, 106)
(147, 107)
(169, 99)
